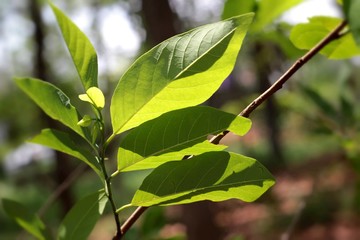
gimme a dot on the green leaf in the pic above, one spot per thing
(27, 220)
(352, 10)
(63, 142)
(94, 96)
(269, 10)
(215, 176)
(53, 102)
(131, 161)
(182, 71)
(235, 7)
(81, 50)
(81, 219)
(307, 35)
(184, 129)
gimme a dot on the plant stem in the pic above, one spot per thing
(123, 207)
(109, 195)
(333, 35)
(107, 179)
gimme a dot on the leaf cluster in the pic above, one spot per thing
(155, 103)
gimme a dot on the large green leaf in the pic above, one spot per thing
(182, 71)
(269, 10)
(352, 10)
(27, 220)
(184, 129)
(307, 35)
(52, 101)
(81, 219)
(63, 142)
(81, 50)
(130, 161)
(215, 176)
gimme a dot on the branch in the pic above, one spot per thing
(333, 35)
(294, 221)
(61, 188)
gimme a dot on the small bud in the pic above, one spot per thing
(85, 121)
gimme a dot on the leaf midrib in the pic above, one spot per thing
(182, 193)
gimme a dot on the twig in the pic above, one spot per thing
(333, 35)
(61, 188)
(295, 220)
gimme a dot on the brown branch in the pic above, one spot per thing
(132, 219)
(333, 35)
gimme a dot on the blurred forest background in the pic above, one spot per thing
(307, 135)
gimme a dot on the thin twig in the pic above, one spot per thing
(333, 35)
(295, 220)
(108, 192)
(62, 187)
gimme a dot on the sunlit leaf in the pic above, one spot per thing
(63, 142)
(81, 50)
(27, 220)
(52, 101)
(215, 176)
(138, 162)
(352, 10)
(307, 35)
(94, 96)
(81, 219)
(182, 129)
(182, 71)
(269, 10)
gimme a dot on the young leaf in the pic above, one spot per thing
(269, 10)
(52, 101)
(215, 176)
(182, 71)
(307, 35)
(62, 141)
(352, 10)
(81, 50)
(174, 131)
(28, 221)
(94, 96)
(81, 219)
